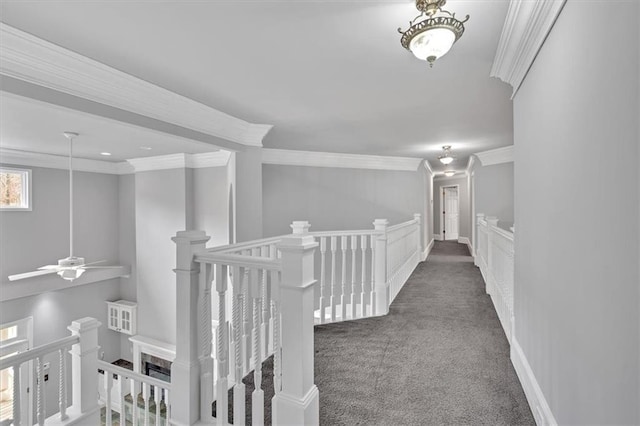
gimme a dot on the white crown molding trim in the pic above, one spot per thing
(468, 170)
(287, 157)
(29, 58)
(496, 156)
(537, 402)
(36, 159)
(443, 177)
(428, 167)
(161, 162)
(525, 29)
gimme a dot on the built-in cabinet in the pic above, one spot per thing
(122, 316)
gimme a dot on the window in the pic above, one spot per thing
(15, 189)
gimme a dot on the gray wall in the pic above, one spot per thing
(494, 192)
(576, 165)
(465, 211)
(127, 248)
(338, 198)
(41, 236)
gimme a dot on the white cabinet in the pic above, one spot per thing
(121, 316)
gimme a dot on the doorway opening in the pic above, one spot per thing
(15, 337)
(450, 208)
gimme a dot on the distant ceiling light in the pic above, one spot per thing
(449, 173)
(106, 154)
(146, 148)
(432, 33)
(446, 157)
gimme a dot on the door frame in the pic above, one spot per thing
(24, 338)
(442, 228)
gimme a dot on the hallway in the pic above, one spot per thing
(439, 357)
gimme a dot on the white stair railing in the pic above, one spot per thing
(495, 258)
(83, 347)
(155, 408)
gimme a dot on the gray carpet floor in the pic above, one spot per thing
(439, 358)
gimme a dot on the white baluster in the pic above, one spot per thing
(123, 386)
(62, 385)
(372, 282)
(323, 281)
(108, 384)
(145, 396)
(277, 350)
(247, 311)
(343, 296)
(363, 249)
(239, 387)
(206, 337)
(222, 404)
(16, 395)
(354, 248)
(40, 412)
(167, 404)
(156, 400)
(333, 278)
(135, 413)
(264, 252)
(257, 398)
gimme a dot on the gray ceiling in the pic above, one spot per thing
(331, 76)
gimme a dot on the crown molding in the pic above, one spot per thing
(472, 160)
(496, 156)
(428, 167)
(34, 60)
(287, 157)
(160, 162)
(525, 29)
(180, 161)
(443, 177)
(36, 159)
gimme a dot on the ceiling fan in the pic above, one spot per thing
(71, 267)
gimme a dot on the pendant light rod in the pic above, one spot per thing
(70, 136)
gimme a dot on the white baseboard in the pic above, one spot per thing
(465, 240)
(437, 237)
(426, 251)
(537, 402)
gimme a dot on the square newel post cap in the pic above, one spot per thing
(193, 237)
(187, 243)
(300, 227)
(492, 220)
(380, 224)
(83, 325)
(417, 216)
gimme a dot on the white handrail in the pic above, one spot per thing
(239, 260)
(401, 225)
(39, 351)
(128, 374)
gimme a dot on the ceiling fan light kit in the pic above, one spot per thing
(446, 157)
(432, 33)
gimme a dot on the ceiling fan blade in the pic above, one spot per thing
(91, 263)
(31, 274)
(49, 267)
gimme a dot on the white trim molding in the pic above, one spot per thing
(427, 250)
(428, 167)
(465, 240)
(525, 29)
(37, 61)
(160, 162)
(496, 156)
(537, 402)
(472, 160)
(437, 237)
(287, 157)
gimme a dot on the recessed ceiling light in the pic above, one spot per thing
(106, 154)
(146, 148)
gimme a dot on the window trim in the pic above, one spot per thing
(26, 190)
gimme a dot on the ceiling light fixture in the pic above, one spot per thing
(449, 173)
(106, 154)
(446, 157)
(432, 33)
(146, 148)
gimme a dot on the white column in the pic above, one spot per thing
(84, 367)
(185, 370)
(418, 218)
(476, 244)
(381, 286)
(298, 402)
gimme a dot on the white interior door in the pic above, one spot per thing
(451, 213)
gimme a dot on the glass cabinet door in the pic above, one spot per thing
(125, 323)
(114, 317)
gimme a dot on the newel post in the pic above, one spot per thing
(381, 284)
(185, 370)
(84, 367)
(418, 218)
(298, 401)
(492, 222)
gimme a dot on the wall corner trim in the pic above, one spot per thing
(428, 167)
(537, 402)
(285, 157)
(37, 61)
(496, 156)
(472, 160)
(525, 29)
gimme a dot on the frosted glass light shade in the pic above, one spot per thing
(449, 173)
(432, 44)
(71, 274)
(446, 160)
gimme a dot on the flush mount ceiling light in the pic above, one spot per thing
(449, 173)
(446, 157)
(432, 33)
